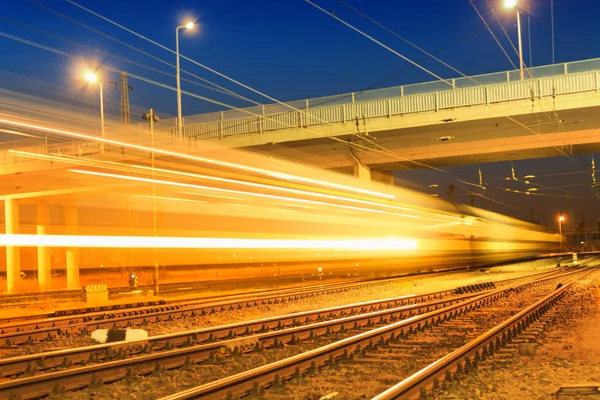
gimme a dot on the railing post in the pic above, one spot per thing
(507, 76)
(353, 99)
(437, 101)
(596, 79)
(262, 119)
(453, 84)
(401, 91)
(389, 108)
(487, 95)
(566, 69)
(221, 125)
(306, 114)
(539, 88)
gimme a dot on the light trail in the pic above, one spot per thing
(166, 242)
(264, 186)
(201, 159)
(270, 196)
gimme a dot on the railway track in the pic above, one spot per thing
(518, 329)
(179, 288)
(202, 345)
(299, 368)
(79, 321)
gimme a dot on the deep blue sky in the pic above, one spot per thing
(290, 50)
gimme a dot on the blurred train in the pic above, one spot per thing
(203, 212)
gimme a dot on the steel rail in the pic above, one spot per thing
(47, 360)
(137, 304)
(481, 348)
(4, 322)
(262, 377)
(109, 371)
(122, 316)
(77, 378)
(47, 329)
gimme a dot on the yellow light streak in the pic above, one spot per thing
(189, 185)
(202, 159)
(166, 242)
(264, 186)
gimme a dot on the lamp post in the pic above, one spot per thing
(560, 222)
(189, 25)
(151, 118)
(92, 77)
(513, 4)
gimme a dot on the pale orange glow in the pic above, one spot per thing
(561, 218)
(147, 242)
(202, 159)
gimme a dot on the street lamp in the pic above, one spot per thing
(92, 77)
(513, 4)
(189, 25)
(560, 222)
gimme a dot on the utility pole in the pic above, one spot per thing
(125, 88)
(472, 197)
(152, 119)
(451, 188)
(125, 110)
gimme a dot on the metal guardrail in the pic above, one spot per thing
(576, 77)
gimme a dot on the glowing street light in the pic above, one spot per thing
(513, 4)
(189, 25)
(92, 77)
(561, 219)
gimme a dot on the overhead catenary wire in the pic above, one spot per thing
(220, 88)
(493, 35)
(154, 82)
(464, 75)
(254, 90)
(247, 87)
(126, 60)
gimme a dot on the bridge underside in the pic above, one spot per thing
(384, 147)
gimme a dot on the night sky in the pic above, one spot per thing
(290, 50)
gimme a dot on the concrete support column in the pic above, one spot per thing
(72, 253)
(13, 253)
(43, 253)
(362, 172)
(383, 177)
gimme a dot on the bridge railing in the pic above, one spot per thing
(505, 86)
(31, 153)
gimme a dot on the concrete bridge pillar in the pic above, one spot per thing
(13, 253)
(43, 253)
(385, 177)
(362, 172)
(71, 222)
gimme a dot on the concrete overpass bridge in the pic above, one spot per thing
(484, 118)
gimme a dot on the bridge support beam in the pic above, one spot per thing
(43, 253)
(13, 253)
(385, 177)
(71, 222)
